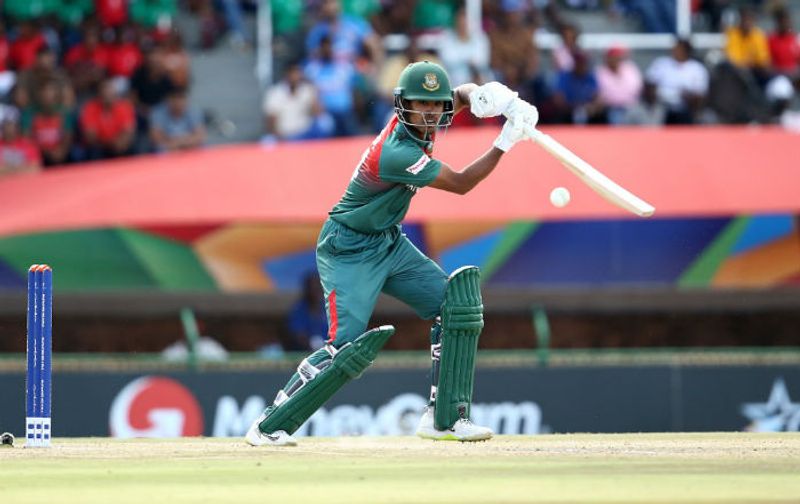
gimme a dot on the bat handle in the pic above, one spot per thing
(532, 132)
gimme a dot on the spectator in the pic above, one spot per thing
(45, 69)
(208, 24)
(746, 45)
(465, 55)
(307, 322)
(576, 95)
(112, 13)
(26, 10)
(511, 41)
(394, 65)
(287, 29)
(175, 126)
(20, 99)
(620, 84)
(349, 36)
(149, 88)
(124, 56)
(22, 52)
(364, 9)
(108, 123)
(433, 14)
(87, 62)
(72, 13)
(17, 153)
(784, 49)
(7, 76)
(735, 97)
(681, 83)
(334, 79)
(649, 111)
(564, 54)
(395, 17)
(157, 14)
(150, 84)
(656, 16)
(50, 125)
(712, 10)
(292, 110)
(780, 93)
(176, 59)
(535, 88)
(5, 50)
(234, 22)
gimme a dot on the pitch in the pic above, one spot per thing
(723, 467)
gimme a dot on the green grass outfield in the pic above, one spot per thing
(724, 467)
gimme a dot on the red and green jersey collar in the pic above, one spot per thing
(405, 131)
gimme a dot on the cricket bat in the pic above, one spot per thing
(590, 176)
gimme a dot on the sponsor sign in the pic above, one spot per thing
(389, 402)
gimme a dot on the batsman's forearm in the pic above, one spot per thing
(480, 169)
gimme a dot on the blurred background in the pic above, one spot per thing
(173, 161)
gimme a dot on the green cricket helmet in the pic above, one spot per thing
(423, 81)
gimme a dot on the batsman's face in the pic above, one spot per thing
(425, 115)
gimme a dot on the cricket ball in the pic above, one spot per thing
(559, 197)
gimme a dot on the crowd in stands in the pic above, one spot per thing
(83, 80)
(337, 76)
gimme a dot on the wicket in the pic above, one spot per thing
(40, 350)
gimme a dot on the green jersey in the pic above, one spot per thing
(390, 172)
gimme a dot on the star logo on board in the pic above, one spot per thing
(431, 82)
(778, 414)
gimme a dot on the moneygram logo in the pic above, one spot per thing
(156, 407)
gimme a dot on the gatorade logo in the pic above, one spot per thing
(155, 407)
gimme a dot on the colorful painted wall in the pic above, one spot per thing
(246, 218)
(747, 251)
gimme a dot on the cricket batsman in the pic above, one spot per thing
(362, 251)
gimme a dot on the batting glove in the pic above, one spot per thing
(490, 99)
(520, 110)
(511, 133)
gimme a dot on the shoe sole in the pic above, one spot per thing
(453, 437)
(269, 442)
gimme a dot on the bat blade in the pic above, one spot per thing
(598, 182)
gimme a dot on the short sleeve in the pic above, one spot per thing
(270, 102)
(655, 71)
(407, 164)
(698, 83)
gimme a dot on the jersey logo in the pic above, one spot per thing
(431, 82)
(419, 165)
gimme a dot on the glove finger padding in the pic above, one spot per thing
(511, 133)
(490, 99)
(521, 110)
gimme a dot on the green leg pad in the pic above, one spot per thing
(462, 322)
(318, 378)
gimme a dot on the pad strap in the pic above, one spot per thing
(314, 384)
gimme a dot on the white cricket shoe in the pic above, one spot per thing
(255, 437)
(462, 430)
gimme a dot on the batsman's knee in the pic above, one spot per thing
(462, 308)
